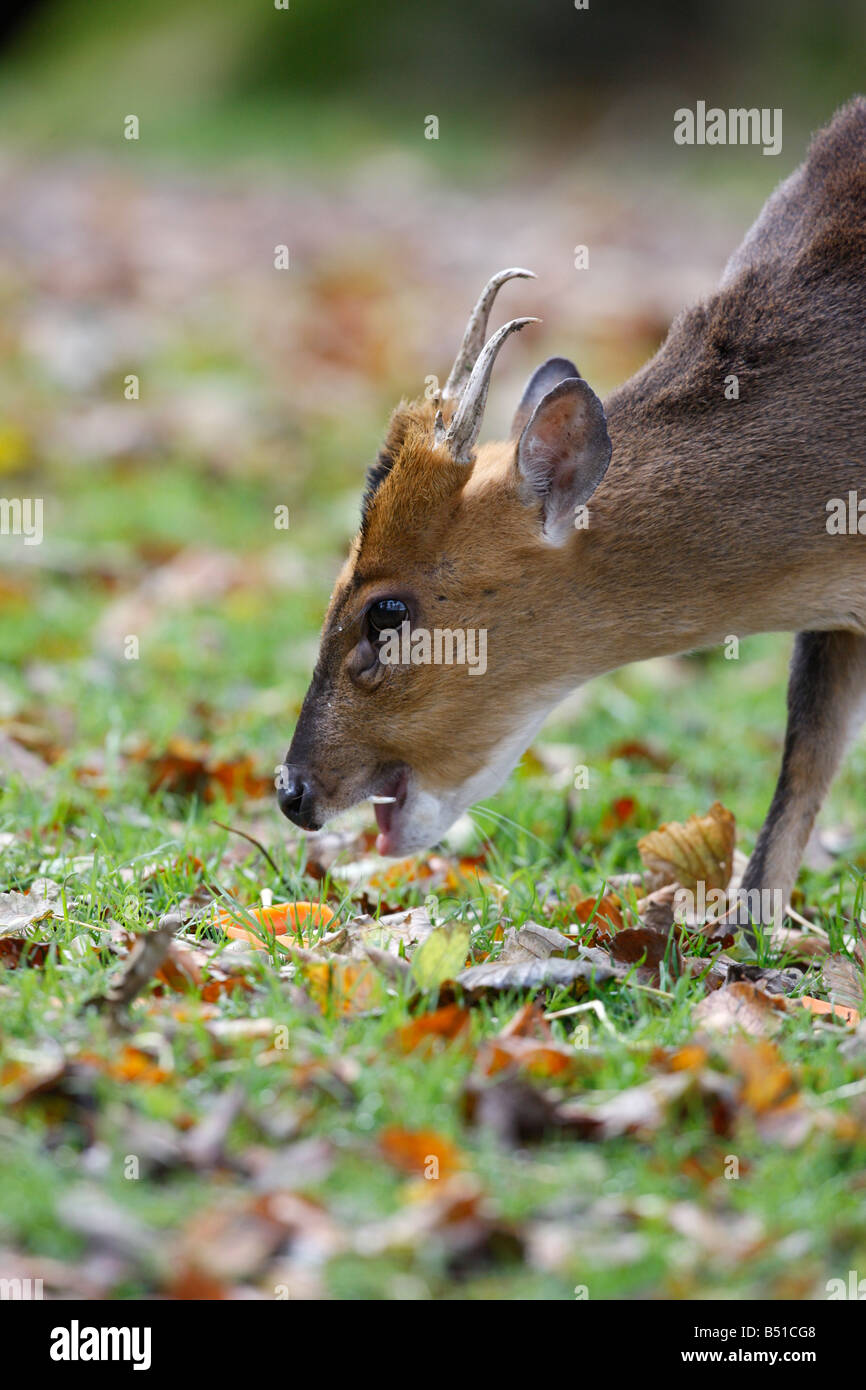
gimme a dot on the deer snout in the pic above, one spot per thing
(296, 796)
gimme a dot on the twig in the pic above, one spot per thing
(594, 1004)
(804, 922)
(854, 1088)
(144, 960)
(258, 844)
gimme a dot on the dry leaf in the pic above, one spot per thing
(646, 948)
(604, 912)
(442, 956)
(441, 1024)
(741, 1005)
(823, 1006)
(420, 1152)
(542, 1059)
(843, 981)
(699, 851)
(346, 986)
(20, 912)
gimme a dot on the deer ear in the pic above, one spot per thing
(563, 454)
(548, 375)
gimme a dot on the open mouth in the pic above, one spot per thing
(387, 803)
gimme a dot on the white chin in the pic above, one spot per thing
(425, 816)
(418, 824)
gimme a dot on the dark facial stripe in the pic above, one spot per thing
(375, 478)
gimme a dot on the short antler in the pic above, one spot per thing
(465, 426)
(476, 332)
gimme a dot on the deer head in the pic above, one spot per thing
(461, 550)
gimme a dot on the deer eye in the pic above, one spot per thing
(384, 615)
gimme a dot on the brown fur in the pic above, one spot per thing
(710, 520)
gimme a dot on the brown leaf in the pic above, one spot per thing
(528, 1022)
(443, 1024)
(516, 1112)
(843, 981)
(21, 912)
(644, 1109)
(604, 911)
(527, 961)
(767, 1079)
(798, 945)
(532, 973)
(346, 986)
(741, 1005)
(191, 769)
(647, 947)
(699, 851)
(541, 1059)
(823, 1006)
(144, 960)
(420, 1152)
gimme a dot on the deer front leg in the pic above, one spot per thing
(826, 704)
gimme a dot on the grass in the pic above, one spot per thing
(232, 672)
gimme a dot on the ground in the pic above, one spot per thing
(271, 1122)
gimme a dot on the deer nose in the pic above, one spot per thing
(295, 797)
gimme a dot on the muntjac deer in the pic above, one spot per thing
(700, 517)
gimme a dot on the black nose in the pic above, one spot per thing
(295, 797)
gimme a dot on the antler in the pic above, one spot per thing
(469, 378)
(465, 426)
(476, 332)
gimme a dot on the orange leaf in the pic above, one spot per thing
(822, 1006)
(277, 920)
(347, 986)
(607, 911)
(447, 1023)
(538, 1058)
(420, 1152)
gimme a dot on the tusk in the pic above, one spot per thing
(476, 332)
(465, 427)
(383, 800)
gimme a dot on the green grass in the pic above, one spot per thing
(232, 672)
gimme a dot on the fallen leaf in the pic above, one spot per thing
(741, 1005)
(643, 1110)
(420, 1152)
(346, 986)
(767, 1079)
(843, 981)
(187, 768)
(528, 1022)
(526, 962)
(272, 922)
(699, 851)
(441, 956)
(144, 960)
(648, 950)
(823, 1006)
(20, 912)
(538, 1058)
(604, 911)
(443, 1024)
